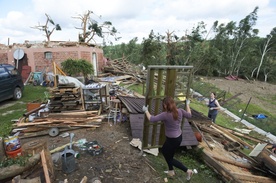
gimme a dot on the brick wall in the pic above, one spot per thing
(35, 56)
(100, 62)
(41, 62)
(86, 55)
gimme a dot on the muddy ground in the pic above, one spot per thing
(119, 161)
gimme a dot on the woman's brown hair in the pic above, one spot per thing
(170, 106)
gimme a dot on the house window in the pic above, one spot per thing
(48, 55)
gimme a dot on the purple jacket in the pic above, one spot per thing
(172, 127)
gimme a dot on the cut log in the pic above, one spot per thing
(18, 179)
(14, 170)
(36, 146)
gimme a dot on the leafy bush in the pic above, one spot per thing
(75, 67)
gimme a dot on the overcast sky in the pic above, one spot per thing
(132, 18)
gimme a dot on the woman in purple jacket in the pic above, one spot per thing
(172, 118)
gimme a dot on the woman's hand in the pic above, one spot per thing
(188, 102)
(145, 108)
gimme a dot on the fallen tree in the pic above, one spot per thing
(14, 170)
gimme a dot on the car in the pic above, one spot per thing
(11, 83)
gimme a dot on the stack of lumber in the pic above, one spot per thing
(68, 120)
(65, 97)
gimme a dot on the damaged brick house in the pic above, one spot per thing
(39, 57)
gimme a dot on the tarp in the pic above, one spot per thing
(259, 116)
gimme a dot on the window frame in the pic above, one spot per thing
(48, 55)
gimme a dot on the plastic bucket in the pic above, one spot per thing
(14, 154)
(68, 161)
(12, 143)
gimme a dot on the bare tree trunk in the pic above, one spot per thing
(236, 56)
(265, 75)
(252, 73)
(266, 49)
(239, 66)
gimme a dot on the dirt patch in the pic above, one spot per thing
(261, 92)
(119, 161)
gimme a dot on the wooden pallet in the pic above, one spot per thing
(61, 91)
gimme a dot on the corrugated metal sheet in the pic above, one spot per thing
(135, 105)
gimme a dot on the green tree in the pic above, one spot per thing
(152, 51)
(198, 49)
(243, 33)
(233, 40)
(133, 51)
(174, 48)
(267, 50)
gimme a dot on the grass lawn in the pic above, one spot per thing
(16, 109)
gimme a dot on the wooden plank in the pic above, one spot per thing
(45, 167)
(73, 114)
(253, 178)
(82, 100)
(245, 136)
(230, 136)
(242, 165)
(38, 123)
(90, 126)
(217, 167)
(61, 147)
(45, 132)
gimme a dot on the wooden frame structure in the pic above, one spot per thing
(174, 81)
